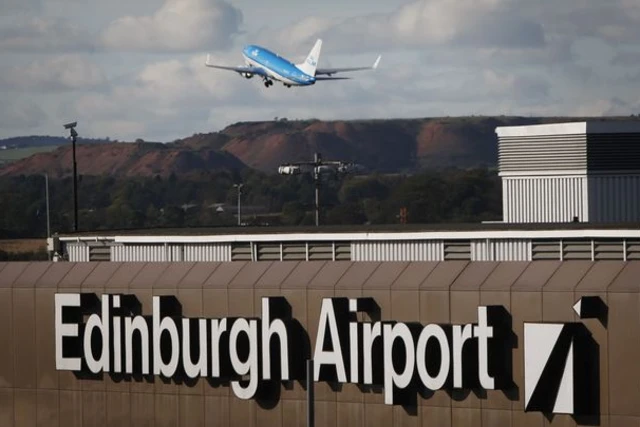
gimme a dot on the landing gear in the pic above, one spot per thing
(268, 83)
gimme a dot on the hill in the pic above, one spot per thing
(43, 141)
(124, 159)
(387, 146)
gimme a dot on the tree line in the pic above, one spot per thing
(209, 200)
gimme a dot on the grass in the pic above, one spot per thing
(12, 154)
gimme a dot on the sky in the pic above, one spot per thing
(135, 69)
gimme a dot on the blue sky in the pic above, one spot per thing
(131, 70)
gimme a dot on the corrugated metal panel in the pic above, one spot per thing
(614, 198)
(138, 253)
(432, 250)
(78, 252)
(542, 153)
(544, 199)
(161, 253)
(609, 152)
(209, 252)
(501, 250)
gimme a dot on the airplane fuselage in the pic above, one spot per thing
(277, 67)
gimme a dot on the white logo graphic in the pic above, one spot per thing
(561, 364)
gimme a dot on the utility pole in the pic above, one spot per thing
(239, 187)
(316, 179)
(73, 136)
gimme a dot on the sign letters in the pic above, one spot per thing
(109, 335)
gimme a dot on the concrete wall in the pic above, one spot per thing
(33, 393)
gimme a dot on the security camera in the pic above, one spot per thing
(71, 125)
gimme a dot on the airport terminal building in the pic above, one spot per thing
(532, 321)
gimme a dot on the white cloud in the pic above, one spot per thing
(43, 35)
(53, 74)
(179, 25)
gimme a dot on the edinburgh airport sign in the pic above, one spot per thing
(109, 335)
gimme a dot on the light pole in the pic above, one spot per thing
(73, 135)
(319, 166)
(46, 192)
(239, 187)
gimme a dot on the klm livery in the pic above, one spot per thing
(271, 66)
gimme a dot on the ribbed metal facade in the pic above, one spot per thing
(608, 152)
(543, 153)
(78, 252)
(620, 245)
(501, 250)
(211, 252)
(398, 251)
(171, 253)
(555, 173)
(544, 199)
(614, 198)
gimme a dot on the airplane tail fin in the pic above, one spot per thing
(311, 63)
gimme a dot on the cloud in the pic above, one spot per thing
(17, 6)
(40, 35)
(613, 21)
(21, 115)
(608, 107)
(54, 74)
(179, 25)
(422, 23)
(626, 59)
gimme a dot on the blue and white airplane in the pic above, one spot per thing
(271, 66)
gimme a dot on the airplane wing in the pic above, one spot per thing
(330, 71)
(241, 69)
(332, 78)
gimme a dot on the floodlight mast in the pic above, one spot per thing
(318, 165)
(73, 136)
(239, 187)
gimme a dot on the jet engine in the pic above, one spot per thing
(246, 75)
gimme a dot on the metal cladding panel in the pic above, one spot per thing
(146, 253)
(78, 252)
(613, 152)
(430, 250)
(542, 153)
(545, 199)
(501, 250)
(208, 252)
(614, 198)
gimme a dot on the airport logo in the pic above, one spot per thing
(561, 364)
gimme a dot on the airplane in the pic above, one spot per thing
(271, 66)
